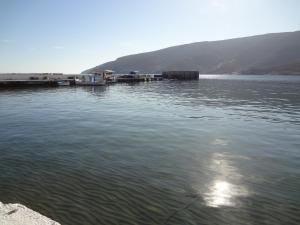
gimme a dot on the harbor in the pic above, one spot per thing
(100, 78)
(124, 153)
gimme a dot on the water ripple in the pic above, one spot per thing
(221, 150)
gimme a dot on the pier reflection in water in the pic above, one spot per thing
(221, 150)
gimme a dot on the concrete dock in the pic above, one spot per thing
(35, 79)
(22, 83)
(17, 214)
(59, 79)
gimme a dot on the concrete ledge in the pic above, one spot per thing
(17, 214)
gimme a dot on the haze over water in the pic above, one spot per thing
(221, 150)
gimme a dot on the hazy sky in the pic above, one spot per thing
(73, 35)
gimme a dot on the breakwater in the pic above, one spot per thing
(96, 79)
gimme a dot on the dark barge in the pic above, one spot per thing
(181, 75)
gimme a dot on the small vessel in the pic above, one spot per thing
(63, 83)
(110, 77)
(90, 80)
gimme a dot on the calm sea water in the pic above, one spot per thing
(221, 150)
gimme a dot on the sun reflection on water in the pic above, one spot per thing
(220, 194)
(226, 186)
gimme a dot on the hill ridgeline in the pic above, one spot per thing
(277, 53)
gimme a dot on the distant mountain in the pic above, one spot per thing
(277, 53)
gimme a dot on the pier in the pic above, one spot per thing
(31, 83)
(95, 79)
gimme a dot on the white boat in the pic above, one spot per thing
(63, 83)
(90, 80)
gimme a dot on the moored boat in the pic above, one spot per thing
(90, 80)
(63, 83)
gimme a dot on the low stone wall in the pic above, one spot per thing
(17, 214)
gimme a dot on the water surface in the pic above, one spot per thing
(221, 150)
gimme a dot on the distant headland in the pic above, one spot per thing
(276, 53)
